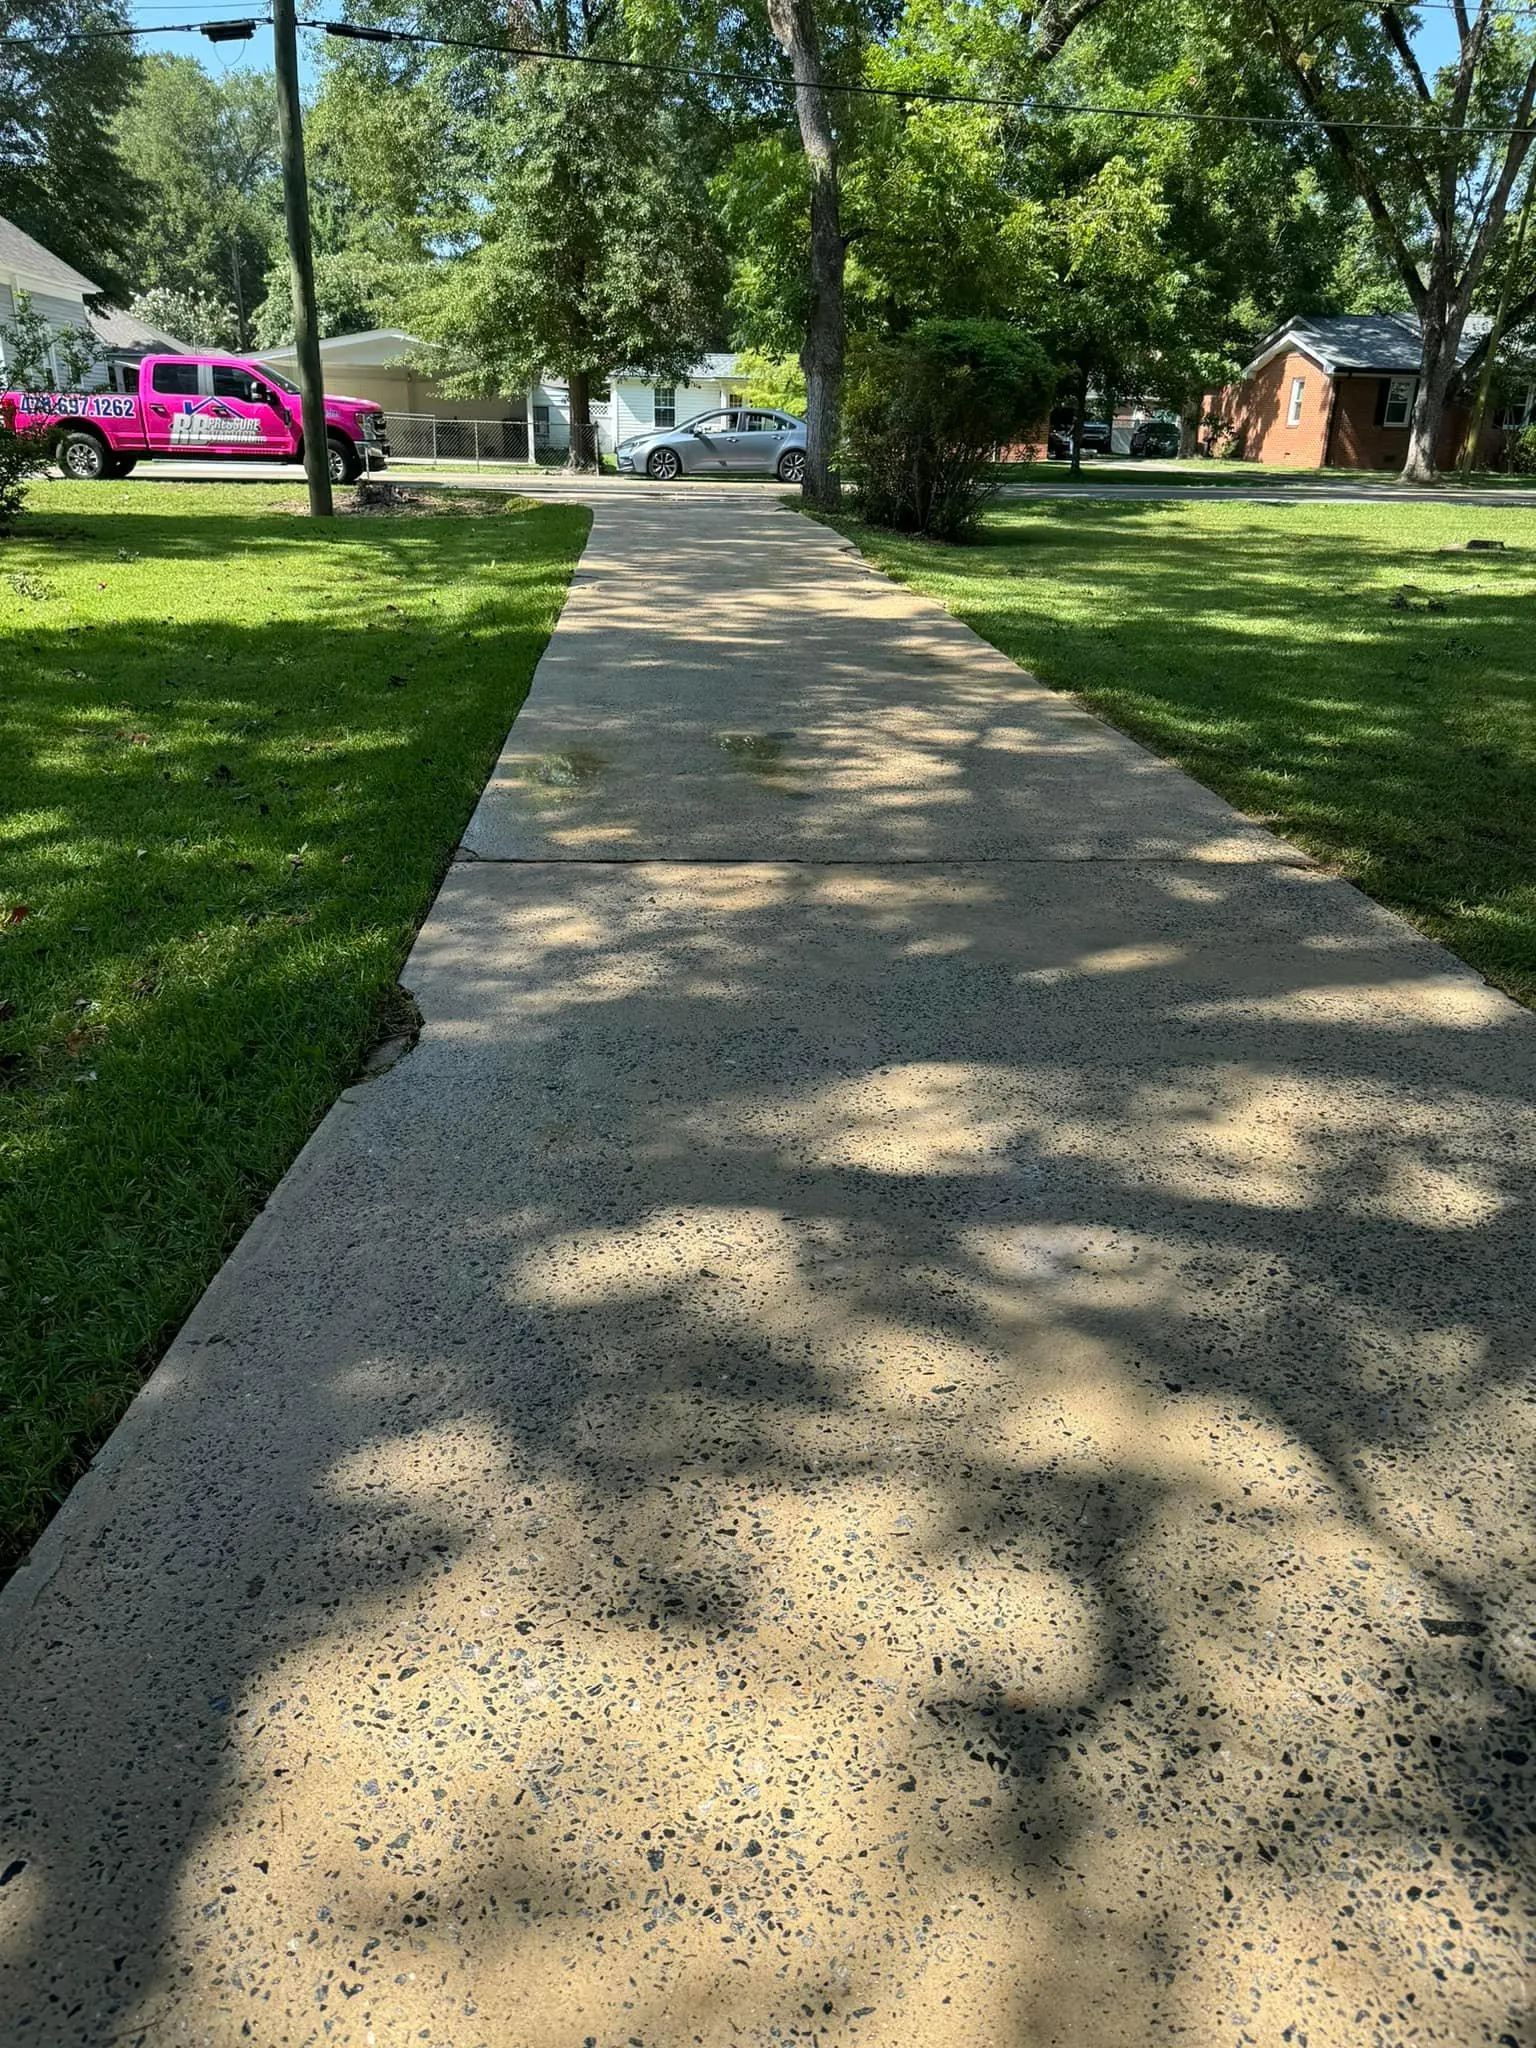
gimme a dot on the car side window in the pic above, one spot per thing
(177, 378)
(232, 382)
(763, 423)
(712, 423)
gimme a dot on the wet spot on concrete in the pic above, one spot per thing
(571, 768)
(762, 756)
(757, 752)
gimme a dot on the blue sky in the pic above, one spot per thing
(256, 55)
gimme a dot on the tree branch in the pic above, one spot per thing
(1498, 206)
(1515, 316)
(1342, 142)
(1397, 35)
(1049, 31)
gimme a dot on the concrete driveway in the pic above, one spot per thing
(910, 1423)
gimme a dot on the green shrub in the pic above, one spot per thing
(21, 455)
(1520, 451)
(926, 414)
(35, 350)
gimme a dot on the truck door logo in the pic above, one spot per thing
(210, 419)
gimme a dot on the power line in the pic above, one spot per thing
(241, 29)
(367, 32)
(216, 31)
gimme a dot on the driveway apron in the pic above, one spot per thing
(909, 1424)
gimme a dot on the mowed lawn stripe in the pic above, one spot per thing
(1348, 674)
(236, 751)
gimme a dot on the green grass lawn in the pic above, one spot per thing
(1341, 672)
(1119, 469)
(236, 750)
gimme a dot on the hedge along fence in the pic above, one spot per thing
(926, 413)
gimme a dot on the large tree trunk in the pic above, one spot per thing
(1189, 427)
(242, 331)
(794, 25)
(583, 449)
(1079, 414)
(1442, 338)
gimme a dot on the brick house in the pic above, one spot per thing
(1338, 392)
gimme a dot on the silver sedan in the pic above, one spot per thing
(752, 441)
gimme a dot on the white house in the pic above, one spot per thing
(636, 404)
(58, 293)
(389, 366)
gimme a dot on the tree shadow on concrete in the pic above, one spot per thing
(903, 1457)
(1347, 674)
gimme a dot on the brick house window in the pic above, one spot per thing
(664, 407)
(1298, 392)
(1399, 402)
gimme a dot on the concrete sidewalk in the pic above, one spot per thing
(561, 483)
(910, 1424)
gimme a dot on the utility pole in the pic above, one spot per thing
(306, 332)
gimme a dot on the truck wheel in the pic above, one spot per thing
(82, 456)
(345, 462)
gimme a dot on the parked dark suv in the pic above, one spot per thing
(1156, 437)
(1058, 441)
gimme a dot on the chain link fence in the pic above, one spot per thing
(421, 437)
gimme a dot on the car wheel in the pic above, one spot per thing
(342, 461)
(83, 457)
(792, 467)
(664, 465)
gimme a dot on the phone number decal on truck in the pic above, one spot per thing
(210, 420)
(75, 405)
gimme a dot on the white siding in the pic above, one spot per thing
(58, 311)
(634, 405)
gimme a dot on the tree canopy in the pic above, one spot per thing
(204, 153)
(1143, 204)
(62, 86)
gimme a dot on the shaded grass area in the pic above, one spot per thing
(236, 750)
(1345, 673)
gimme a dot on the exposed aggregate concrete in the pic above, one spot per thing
(931, 1447)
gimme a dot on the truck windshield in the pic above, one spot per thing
(276, 377)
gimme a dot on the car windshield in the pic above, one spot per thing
(276, 377)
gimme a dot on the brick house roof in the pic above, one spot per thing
(1388, 343)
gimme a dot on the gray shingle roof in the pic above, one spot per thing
(19, 252)
(1387, 342)
(120, 331)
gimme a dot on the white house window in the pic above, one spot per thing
(1519, 408)
(664, 410)
(735, 398)
(1298, 392)
(540, 424)
(1399, 402)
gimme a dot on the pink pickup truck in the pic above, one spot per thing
(179, 406)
